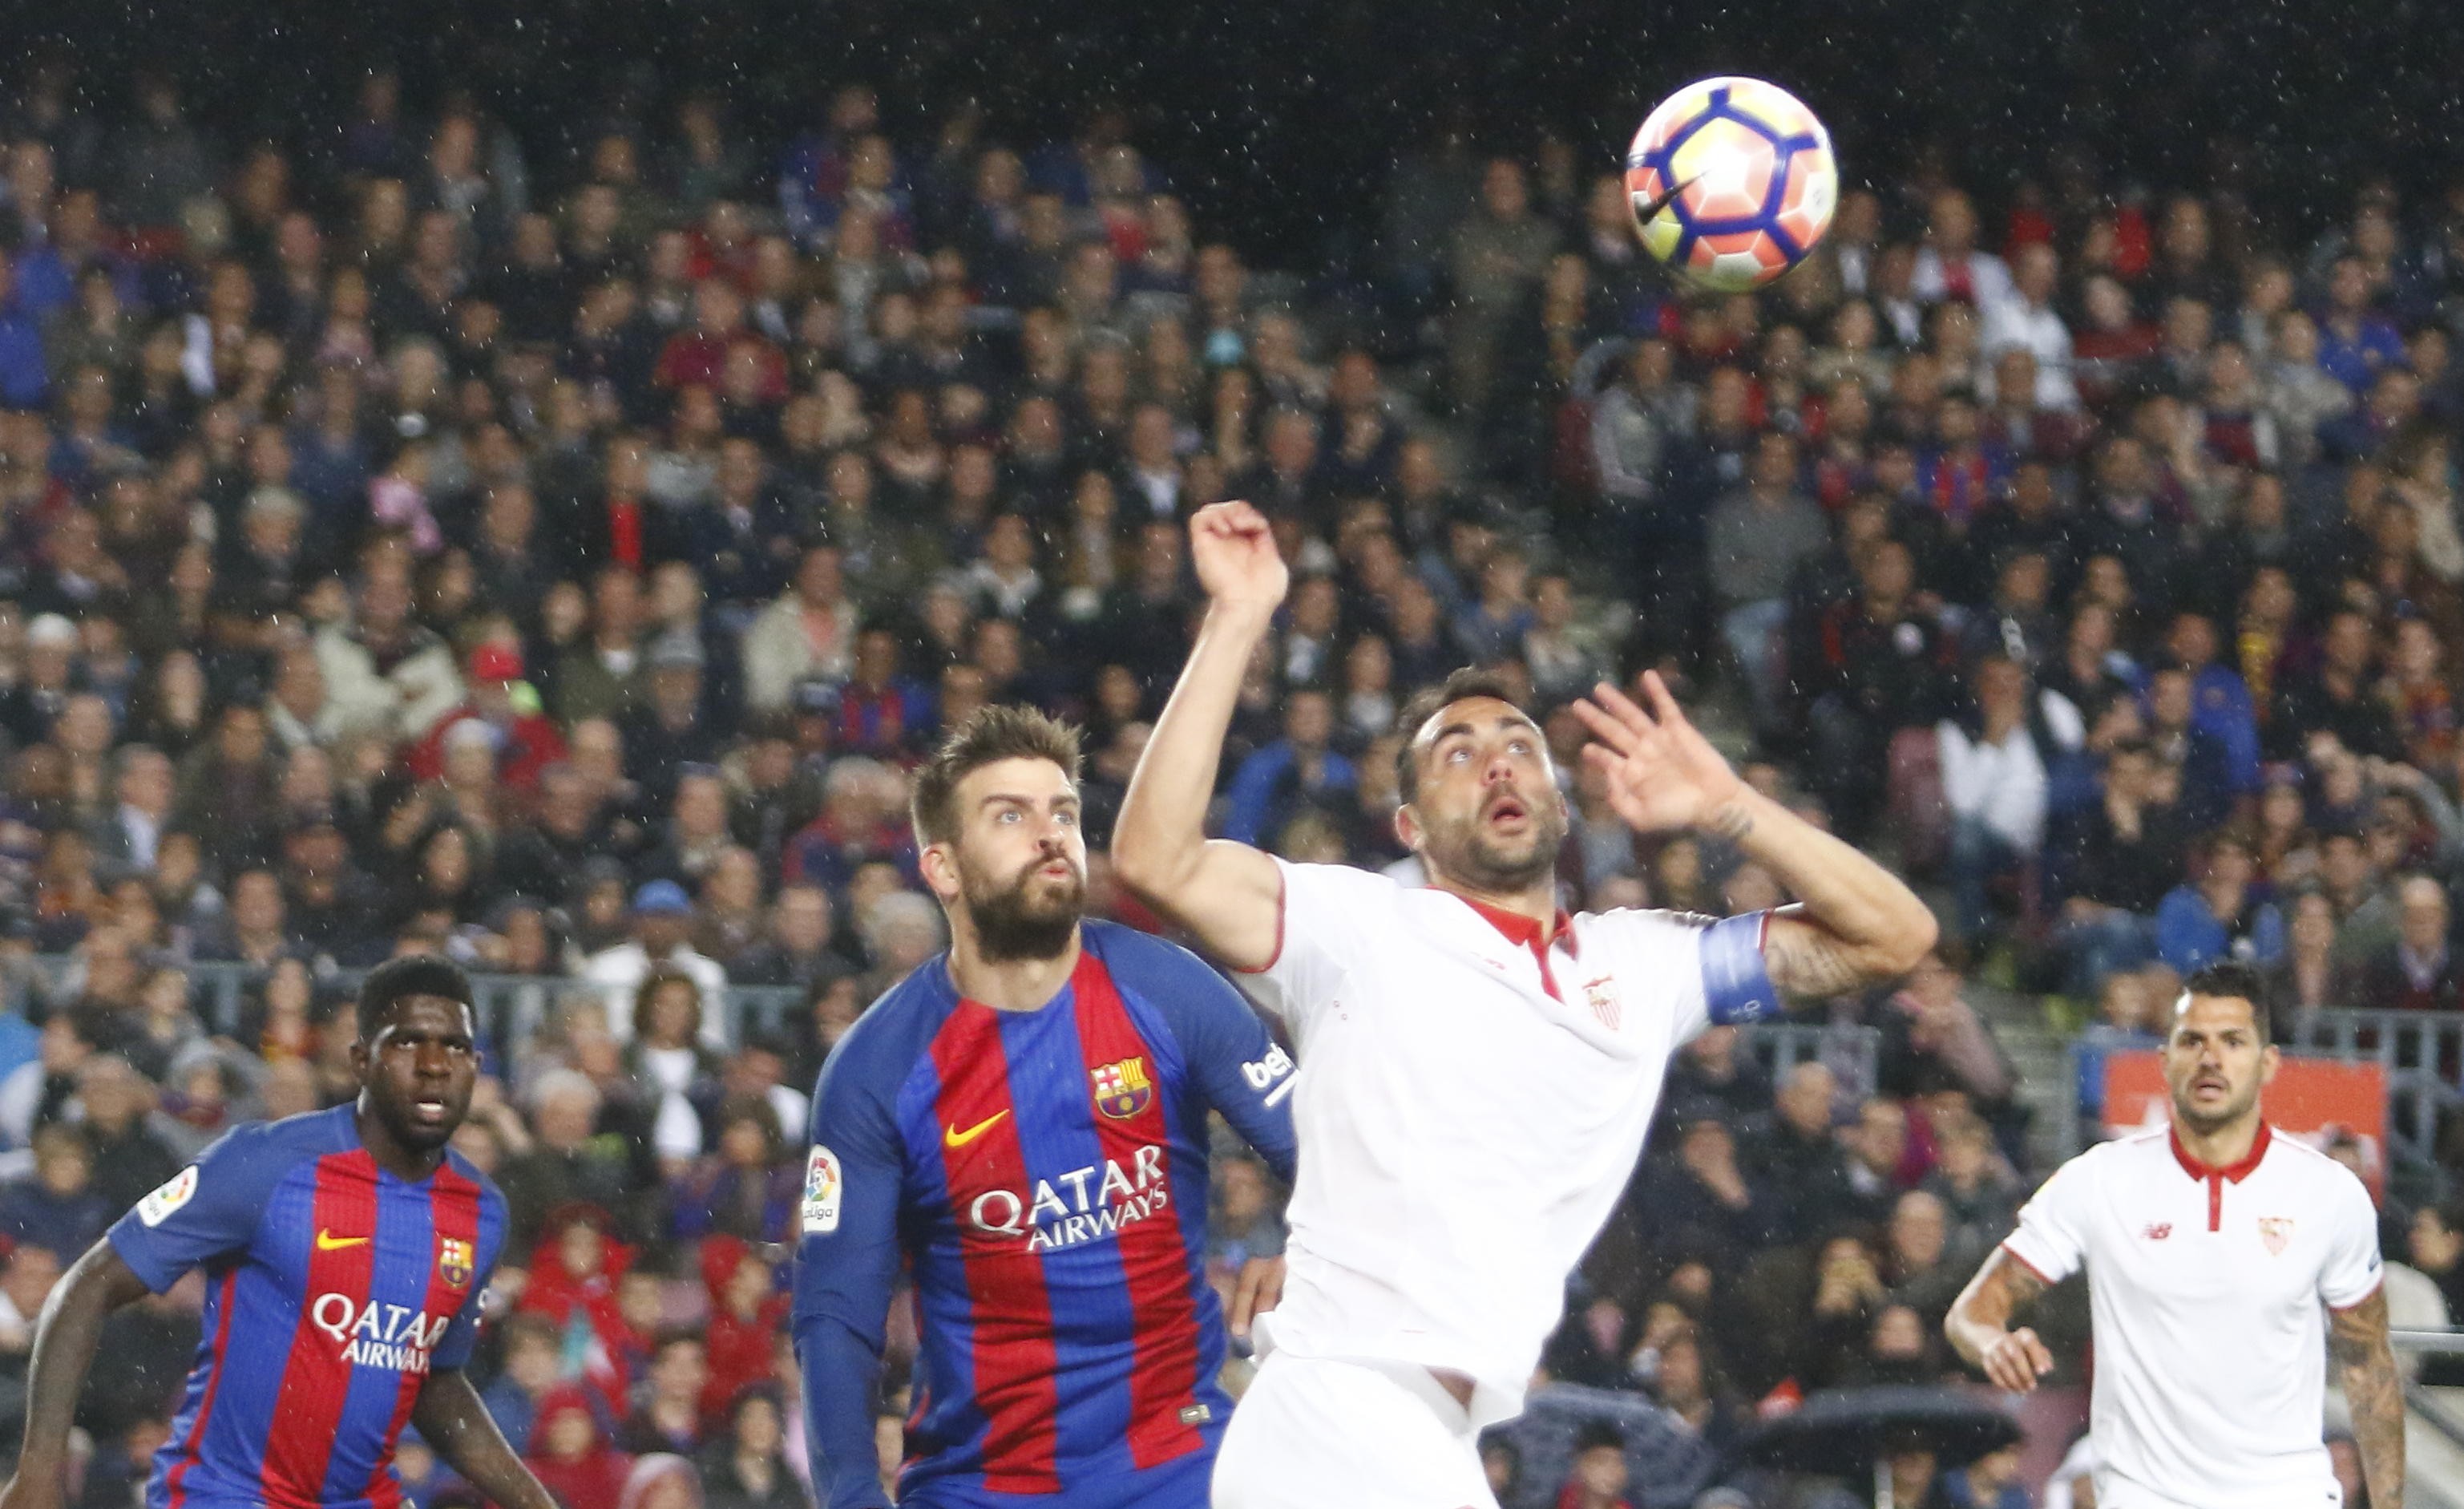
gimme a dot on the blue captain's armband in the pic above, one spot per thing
(1736, 984)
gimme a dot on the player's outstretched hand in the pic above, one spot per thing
(1662, 773)
(1259, 1289)
(1233, 548)
(2014, 1361)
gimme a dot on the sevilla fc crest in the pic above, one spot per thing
(453, 1262)
(1602, 996)
(2275, 1231)
(1122, 1090)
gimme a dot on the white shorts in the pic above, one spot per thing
(1315, 1433)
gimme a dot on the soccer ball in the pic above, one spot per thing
(1732, 182)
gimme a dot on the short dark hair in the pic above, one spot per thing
(1003, 731)
(2231, 980)
(412, 974)
(1465, 681)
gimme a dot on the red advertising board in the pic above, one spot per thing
(2312, 1098)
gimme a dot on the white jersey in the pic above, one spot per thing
(2206, 1286)
(1469, 1106)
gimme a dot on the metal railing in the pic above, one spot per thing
(511, 1007)
(514, 1007)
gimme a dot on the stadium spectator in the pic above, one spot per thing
(55, 1206)
(571, 1454)
(747, 1467)
(666, 1415)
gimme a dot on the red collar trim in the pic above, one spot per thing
(1526, 932)
(2234, 1174)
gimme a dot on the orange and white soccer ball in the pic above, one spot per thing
(1732, 183)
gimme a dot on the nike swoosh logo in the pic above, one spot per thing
(952, 1136)
(328, 1242)
(1649, 212)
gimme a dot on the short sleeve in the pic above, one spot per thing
(206, 1210)
(1328, 914)
(2351, 1272)
(2050, 1241)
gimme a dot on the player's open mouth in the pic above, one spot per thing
(1508, 811)
(428, 1110)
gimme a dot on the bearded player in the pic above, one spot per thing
(345, 1252)
(2213, 1248)
(1021, 1124)
(1478, 1069)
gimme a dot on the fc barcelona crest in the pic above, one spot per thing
(453, 1262)
(2275, 1231)
(1122, 1090)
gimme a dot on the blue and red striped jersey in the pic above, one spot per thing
(332, 1289)
(1042, 1178)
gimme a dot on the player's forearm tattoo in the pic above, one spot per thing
(2358, 1338)
(1813, 968)
(2016, 1283)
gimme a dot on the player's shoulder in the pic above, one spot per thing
(2126, 1157)
(1320, 883)
(490, 1198)
(1141, 961)
(898, 1028)
(276, 1147)
(1645, 921)
(2133, 1150)
(2318, 1173)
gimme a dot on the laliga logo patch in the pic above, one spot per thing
(2276, 1233)
(822, 1188)
(1122, 1090)
(175, 1193)
(453, 1262)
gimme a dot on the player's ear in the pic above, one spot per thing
(1407, 827)
(938, 864)
(2270, 1059)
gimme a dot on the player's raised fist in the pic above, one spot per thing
(1233, 547)
(2016, 1359)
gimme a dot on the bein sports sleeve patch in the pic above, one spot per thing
(823, 1185)
(175, 1192)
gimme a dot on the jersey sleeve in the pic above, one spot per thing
(1709, 970)
(2051, 1240)
(462, 1332)
(206, 1210)
(2351, 1272)
(1236, 1068)
(846, 1261)
(1326, 913)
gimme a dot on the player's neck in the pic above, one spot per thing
(2223, 1146)
(1537, 901)
(403, 1163)
(1008, 984)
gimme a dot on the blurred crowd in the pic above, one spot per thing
(416, 537)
